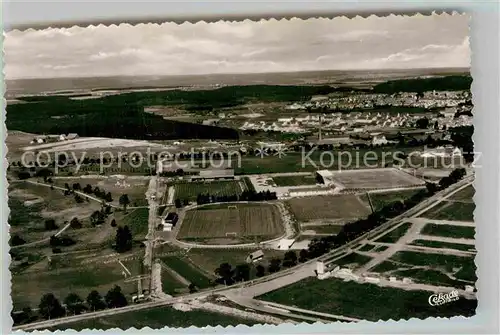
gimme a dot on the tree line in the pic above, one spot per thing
(51, 308)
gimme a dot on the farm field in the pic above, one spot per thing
(245, 221)
(464, 195)
(190, 190)
(134, 188)
(449, 231)
(340, 208)
(447, 245)
(295, 180)
(332, 296)
(156, 318)
(187, 270)
(375, 178)
(170, 285)
(380, 200)
(137, 221)
(395, 234)
(449, 210)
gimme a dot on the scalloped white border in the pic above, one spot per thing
(486, 198)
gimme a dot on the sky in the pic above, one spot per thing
(393, 42)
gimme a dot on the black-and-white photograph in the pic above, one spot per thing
(244, 172)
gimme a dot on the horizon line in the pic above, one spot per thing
(464, 68)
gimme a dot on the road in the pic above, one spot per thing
(265, 284)
(151, 196)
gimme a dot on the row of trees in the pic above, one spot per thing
(50, 307)
(247, 195)
(227, 275)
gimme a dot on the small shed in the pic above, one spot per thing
(255, 256)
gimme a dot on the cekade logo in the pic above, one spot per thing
(441, 298)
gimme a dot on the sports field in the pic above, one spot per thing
(309, 179)
(328, 207)
(375, 178)
(190, 190)
(380, 200)
(231, 221)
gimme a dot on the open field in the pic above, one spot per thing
(464, 195)
(352, 260)
(157, 318)
(137, 221)
(80, 280)
(462, 268)
(349, 298)
(190, 190)
(31, 205)
(380, 200)
(323, 229)
(440, 244)
(246, 220)
(170, 285)
(328, 207)
(186, 270)
(210, 259)
(295, 180)
(134, 188)
(448, 210)
(449, 231)
(395, 234)
(375, 178)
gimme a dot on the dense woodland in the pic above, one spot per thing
(123, 116)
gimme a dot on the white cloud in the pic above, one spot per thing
(223, 47)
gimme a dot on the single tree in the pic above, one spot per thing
(74, 304)
(225, 272)
(274, 265)
(178, 203)
(192, 288)
(242, 272)
(124, 201)
(113, 223)
(50, 307)
(75, 223)
(290, 259)
(115, 297)
(260, 271)
(95, 301)
(303, 255)
(50, 224)
(16, 240)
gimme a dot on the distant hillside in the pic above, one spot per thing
(448, 83)
(123, 115)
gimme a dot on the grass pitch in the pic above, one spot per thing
(295, 180)
(225, 221)
(328, 207)
(190, 190)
